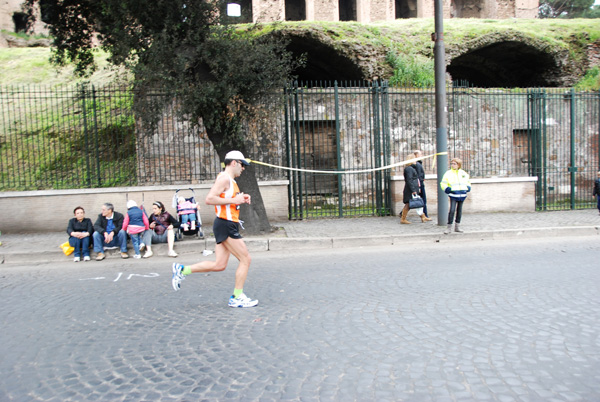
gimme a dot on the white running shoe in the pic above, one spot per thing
(86, 258)
(137, 256)
(76, 259)
(177, 276)
(142, 246)
(172, 253)
(242, 301)
(148, 254)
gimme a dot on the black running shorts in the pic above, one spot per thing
(222, 229)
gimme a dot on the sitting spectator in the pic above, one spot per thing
(187, 211)
(80, 231)
(109, 233)
(135, 224)
(161, 229)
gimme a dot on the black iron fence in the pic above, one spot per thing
(66, 137)
(552, 134)
(84, 136)
(343, 129)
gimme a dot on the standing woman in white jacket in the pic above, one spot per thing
(456, 184)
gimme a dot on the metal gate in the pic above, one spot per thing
(563, 146)
(343, 129)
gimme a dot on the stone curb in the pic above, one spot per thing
(311, 243)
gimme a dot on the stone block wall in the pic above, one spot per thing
(50, 210)
(7, 10)
(487, 195)
(179, 152)
(488, 130)
(385, 10)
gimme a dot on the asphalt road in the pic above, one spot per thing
(480, 321)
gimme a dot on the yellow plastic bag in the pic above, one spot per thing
(66, 248)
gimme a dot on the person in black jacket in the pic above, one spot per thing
(109, 233)
(412, 187)
(421, 174)
(80, 232)
(596, 192)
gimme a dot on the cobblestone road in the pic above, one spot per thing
(487, 321)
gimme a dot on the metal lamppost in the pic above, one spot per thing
(441, 109)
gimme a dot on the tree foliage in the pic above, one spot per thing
(566, 9)
(218, 72)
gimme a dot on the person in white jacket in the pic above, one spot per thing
(456, 184)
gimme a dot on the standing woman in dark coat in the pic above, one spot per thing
(80, 231)
(412, 187)
(421, 174)
(596, 192)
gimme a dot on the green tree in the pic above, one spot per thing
(219, 72)
(593, 12)
(565, 8)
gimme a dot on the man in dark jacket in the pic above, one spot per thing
(109, 233)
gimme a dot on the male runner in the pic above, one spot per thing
(225, 195)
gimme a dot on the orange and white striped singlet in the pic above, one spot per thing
(231, 212)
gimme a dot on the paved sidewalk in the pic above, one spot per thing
(334, 233)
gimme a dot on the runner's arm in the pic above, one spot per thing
(221, 185)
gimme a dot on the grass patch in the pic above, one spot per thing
(27, 66)
(591, 81)
(66, 137)
(416, 71)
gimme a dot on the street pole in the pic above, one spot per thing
(440, 109)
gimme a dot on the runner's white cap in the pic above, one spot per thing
(237, 156)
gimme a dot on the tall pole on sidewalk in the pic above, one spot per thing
(440, 109)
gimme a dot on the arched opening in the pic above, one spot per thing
(466, 9)
(323, 63)
(45, 10)
(505, 64)
(295, 10)
(348, 10)
(406, 8)
(20, 20)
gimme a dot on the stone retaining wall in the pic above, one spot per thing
(50, 211)
(515, 194)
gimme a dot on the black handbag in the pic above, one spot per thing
(416, 202)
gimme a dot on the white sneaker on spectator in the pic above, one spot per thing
(137, 256)
(76, 259)
(148, 254)
(142, 246)
(172, 253)
(86, 258)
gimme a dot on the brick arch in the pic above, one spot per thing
(508, 63)
(323, 60)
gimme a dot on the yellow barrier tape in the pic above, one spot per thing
(405, 162)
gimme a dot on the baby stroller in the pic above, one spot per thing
(190, 223)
